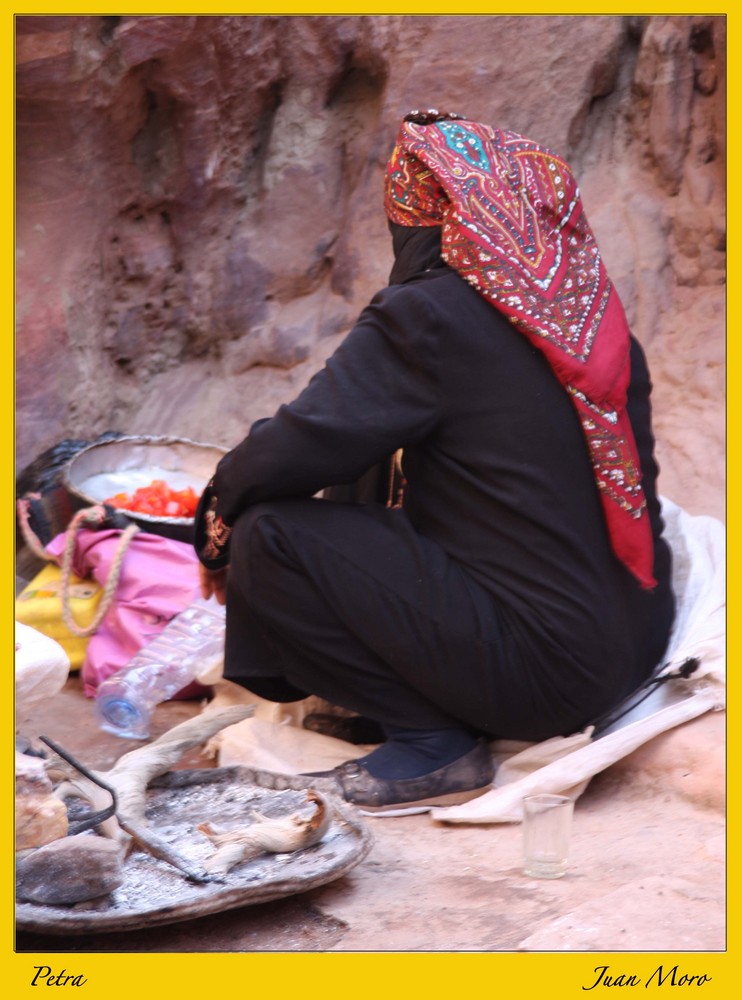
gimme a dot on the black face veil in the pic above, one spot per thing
(416, 248)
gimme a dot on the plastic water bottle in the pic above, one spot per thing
(188, 646)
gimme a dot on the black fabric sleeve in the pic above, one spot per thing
(377, 393)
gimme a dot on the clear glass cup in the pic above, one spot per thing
(547, 824)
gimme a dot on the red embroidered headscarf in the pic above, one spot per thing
(513, 226)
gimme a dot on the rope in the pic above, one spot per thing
(94, 516)
(24, 520)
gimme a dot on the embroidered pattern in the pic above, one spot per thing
(616, 472)
(514, 227)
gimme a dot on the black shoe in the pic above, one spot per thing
(460, 781)
(355, 729)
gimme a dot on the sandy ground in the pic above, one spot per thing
(647, 869)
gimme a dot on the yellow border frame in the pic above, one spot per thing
(354, 976)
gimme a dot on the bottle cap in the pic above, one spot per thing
(121, 718)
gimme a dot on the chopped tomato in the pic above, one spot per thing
(158, 500)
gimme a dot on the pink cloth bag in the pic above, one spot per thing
(159, 579)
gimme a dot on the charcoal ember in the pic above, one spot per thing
(70, 870)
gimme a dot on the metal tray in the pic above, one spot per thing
(155, 893)
(126, 463)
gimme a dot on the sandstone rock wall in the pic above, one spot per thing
(199, 211)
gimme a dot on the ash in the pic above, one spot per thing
(174, 814)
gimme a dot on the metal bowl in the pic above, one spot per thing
(127, 463)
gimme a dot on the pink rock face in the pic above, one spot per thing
(199, 209)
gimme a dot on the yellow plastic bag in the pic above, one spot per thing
(39, 605)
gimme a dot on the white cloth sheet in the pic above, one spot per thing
(41, 669)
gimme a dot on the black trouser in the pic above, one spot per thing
(349, 603)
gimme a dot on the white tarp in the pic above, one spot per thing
(699, 580)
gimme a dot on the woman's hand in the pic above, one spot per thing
(213, 581)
